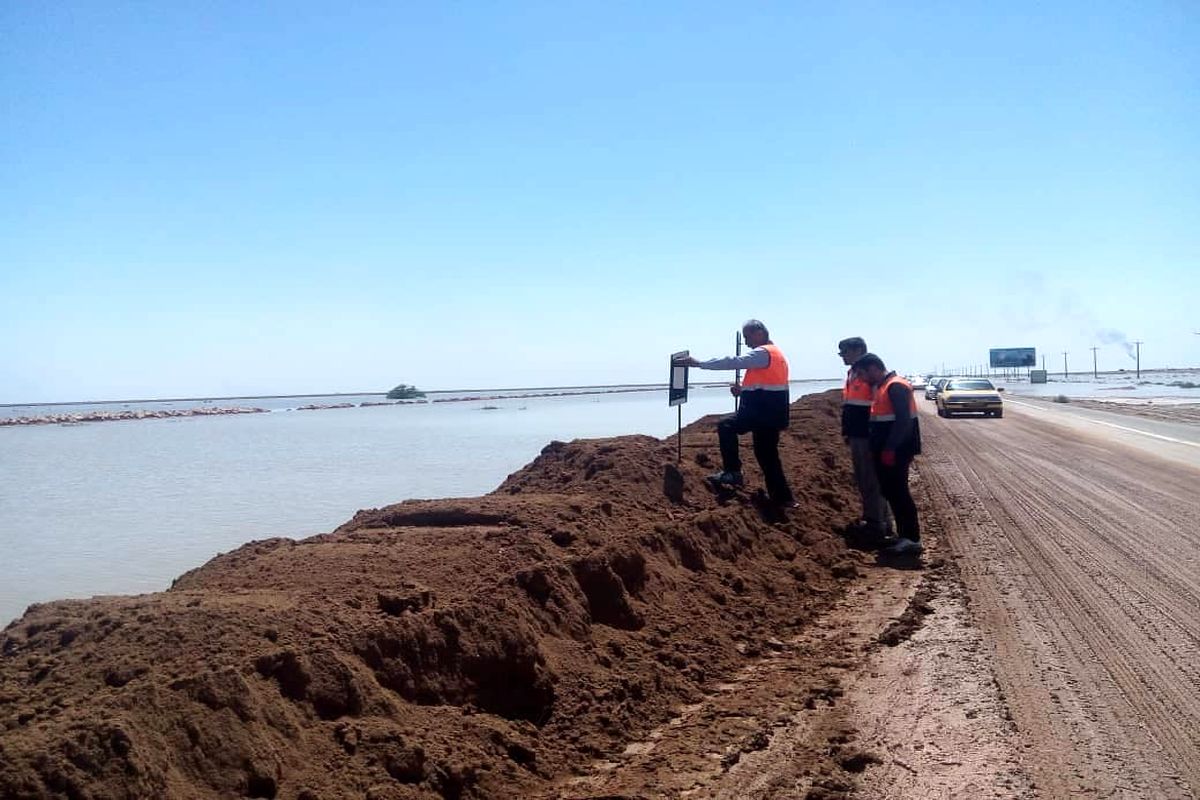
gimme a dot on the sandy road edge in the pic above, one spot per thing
(930, 708)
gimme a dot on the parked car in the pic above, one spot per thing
(961, 395)
(932, 387)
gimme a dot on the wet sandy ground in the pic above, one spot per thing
(1050, 646)
(1081, 559)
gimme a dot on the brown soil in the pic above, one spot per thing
(886, 695)
(483, 647)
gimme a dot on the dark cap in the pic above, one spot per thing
(853, 343)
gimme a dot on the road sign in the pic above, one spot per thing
(677, 392)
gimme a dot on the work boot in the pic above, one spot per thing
(726, 478)
(905, 547)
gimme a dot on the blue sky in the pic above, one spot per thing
(228, 198)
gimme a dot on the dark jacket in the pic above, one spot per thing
(766, 410)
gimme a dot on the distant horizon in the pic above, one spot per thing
(647, 386)
(379, 394)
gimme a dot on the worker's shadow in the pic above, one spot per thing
(867, 541)
(769, 512)
(907, 562)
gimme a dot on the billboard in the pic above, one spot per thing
(1004, 357)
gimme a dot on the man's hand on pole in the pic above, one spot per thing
(735, 389)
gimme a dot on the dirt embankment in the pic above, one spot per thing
(481, 647)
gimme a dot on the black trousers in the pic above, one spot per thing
(766, 450)
(893, 485)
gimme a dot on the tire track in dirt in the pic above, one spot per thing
(888, 695)
(1080, 557)
(778, 728)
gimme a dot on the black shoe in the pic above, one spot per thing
(726, 478)
(904, 547)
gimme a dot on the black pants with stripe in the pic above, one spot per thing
(766, 451)
(893, 485)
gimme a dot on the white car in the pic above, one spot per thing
(931, 388)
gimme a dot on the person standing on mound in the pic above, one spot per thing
(762, 411)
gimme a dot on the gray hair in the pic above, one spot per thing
(756, 325)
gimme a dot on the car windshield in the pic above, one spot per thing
(976, 384)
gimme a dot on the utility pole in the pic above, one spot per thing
(1138, 345)
(1043, 362)
(1095, 375)
(1064, 365)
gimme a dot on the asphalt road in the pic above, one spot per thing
(1176, 441)
(1076, 535)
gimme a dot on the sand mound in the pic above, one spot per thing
(443, 648)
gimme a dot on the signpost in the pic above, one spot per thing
(677, 395)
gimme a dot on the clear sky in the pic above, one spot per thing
(221, 198)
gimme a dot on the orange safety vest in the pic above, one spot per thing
(773, 377)
(881, 409)
(856, 392)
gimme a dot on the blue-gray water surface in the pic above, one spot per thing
(124, 507)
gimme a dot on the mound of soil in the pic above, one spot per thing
(462, 648)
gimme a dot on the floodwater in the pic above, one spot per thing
(1178, 385)
(125, 507)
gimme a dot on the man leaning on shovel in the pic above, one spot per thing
(762, 411)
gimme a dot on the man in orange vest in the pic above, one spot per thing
(762, 411)
(895, 438)
(857, 396)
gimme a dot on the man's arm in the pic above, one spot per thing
(902, 427)
(754, 359)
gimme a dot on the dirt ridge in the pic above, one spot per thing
(477, 647)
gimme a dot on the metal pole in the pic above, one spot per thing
(679, 451)
(1095, 375)
(1064, 365)
(1139, 359)
(737, 373)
